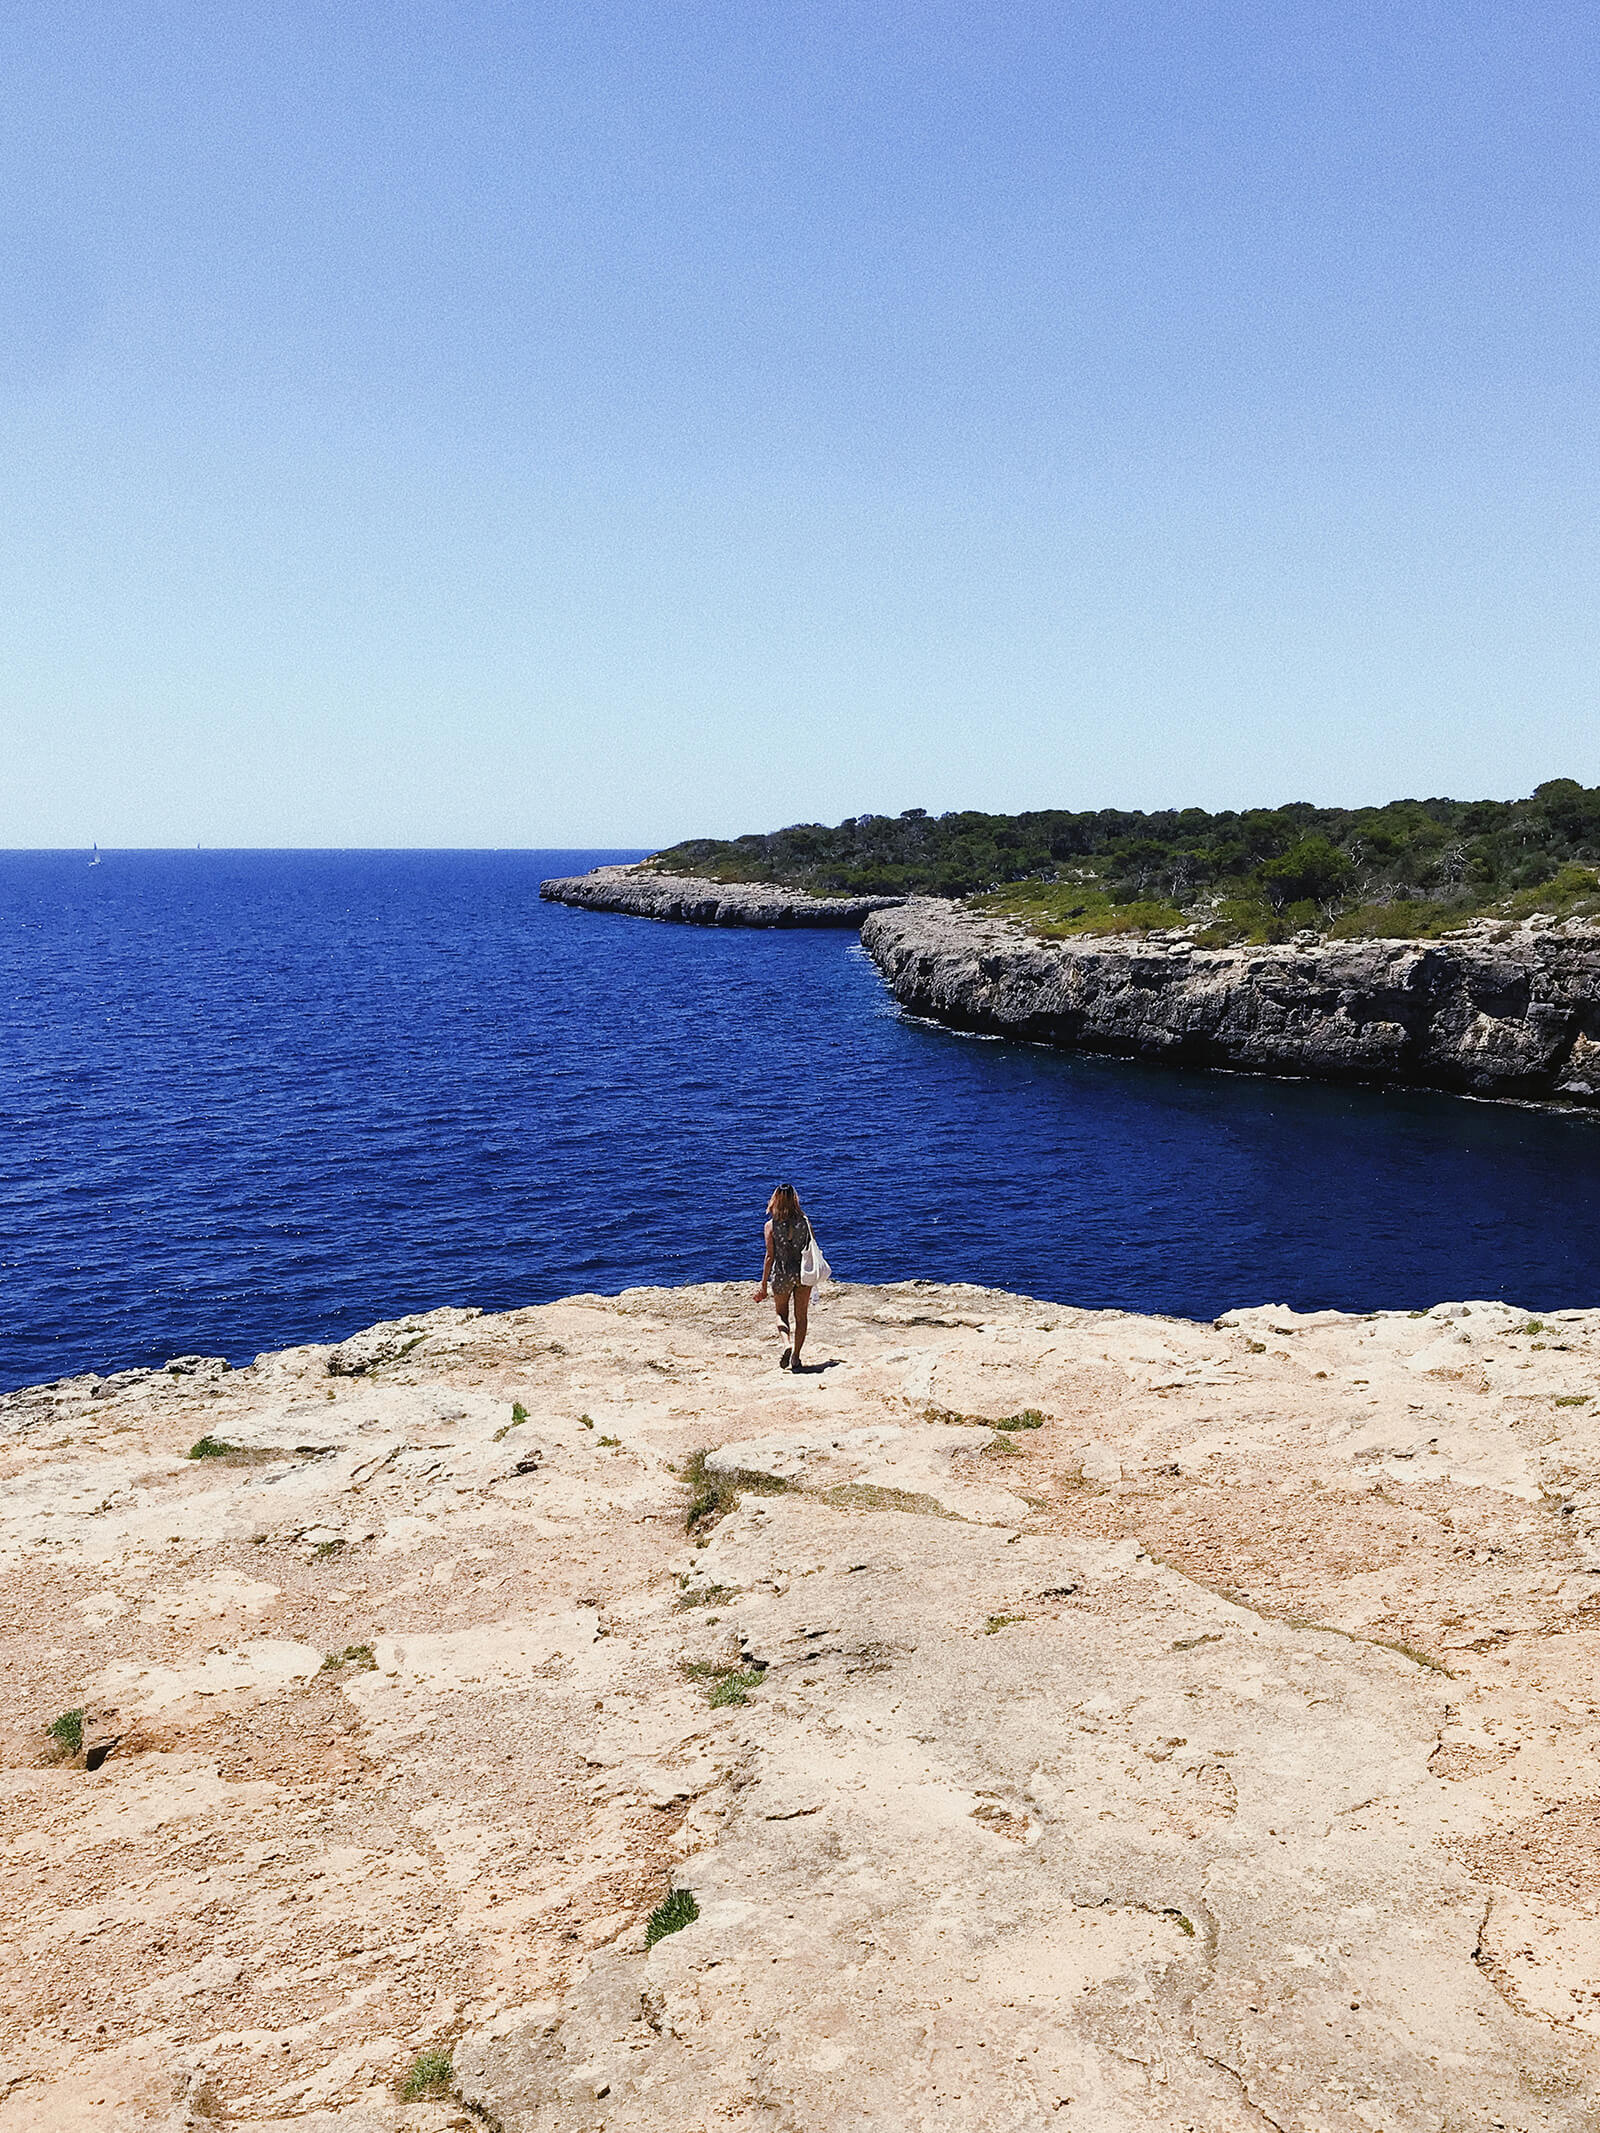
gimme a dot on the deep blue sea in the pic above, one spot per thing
(252, 1098)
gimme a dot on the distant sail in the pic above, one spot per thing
(95, 861)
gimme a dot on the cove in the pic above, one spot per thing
(252, 1099)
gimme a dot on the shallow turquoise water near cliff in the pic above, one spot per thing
(257, 1098)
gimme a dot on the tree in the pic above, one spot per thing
(1313, 869)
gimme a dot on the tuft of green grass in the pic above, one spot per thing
(67, 1732)
(713, 1496)
(725, 1685)
(733, 1688)
(327, 1548)
(1572, 1399)
(610, 1442)
(1030, 1418)
(993, 1624)
(432, 2074)
(676, 1910)
(356, 1655)
(586, 1421)
(210, 1448)
(1534, 1325)
(1184, 1925)
(709, 1596)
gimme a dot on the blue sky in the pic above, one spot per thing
(525, 425)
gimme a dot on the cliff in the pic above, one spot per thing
(1047, 1718)
(1509, 1011)
(707, 903)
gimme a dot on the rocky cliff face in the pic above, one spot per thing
(708, 903)
(1512, 1011)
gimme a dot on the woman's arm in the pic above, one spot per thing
(766, 1266)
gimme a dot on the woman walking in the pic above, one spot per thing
(784, 1273)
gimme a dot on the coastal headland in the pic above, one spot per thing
(639, 893)
(1030, 1717)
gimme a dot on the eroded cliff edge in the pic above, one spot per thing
(1058, 1718)
(693, 902)
(1510, 1011)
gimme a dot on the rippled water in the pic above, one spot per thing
(256, 1098)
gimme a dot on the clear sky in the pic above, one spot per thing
(492, 424)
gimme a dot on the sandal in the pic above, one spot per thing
(783, 1360)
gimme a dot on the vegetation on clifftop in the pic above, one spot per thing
(1411, 868)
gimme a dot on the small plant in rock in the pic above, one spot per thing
(432, 2074)
(726, 1685)
(67, 1732)
(1534, 1325)
(993, 1624)
(356, 1655)
(709, 1596)
(519, 1415)
(611, 1443)
(210, 1448)
(733, 1688)
(586, 1421)
(1572, 1399)
(1030, 1418)
(676, 1910)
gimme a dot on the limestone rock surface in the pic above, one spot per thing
(640, 893)
(1511, 1012)
(1218, 1755)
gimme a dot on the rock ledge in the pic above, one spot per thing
(691, 901)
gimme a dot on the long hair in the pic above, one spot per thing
(784, 1204)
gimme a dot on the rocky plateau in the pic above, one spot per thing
(1036, 1717)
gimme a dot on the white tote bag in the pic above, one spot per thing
(814, 1269)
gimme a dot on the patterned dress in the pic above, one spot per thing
(790, 1236)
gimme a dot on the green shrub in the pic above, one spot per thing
(1030, 1418)
(67, 1732)
(210, 1448)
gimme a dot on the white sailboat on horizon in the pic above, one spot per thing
(95, 861)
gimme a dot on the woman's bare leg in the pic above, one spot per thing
(781, 1305)
(802, 1311)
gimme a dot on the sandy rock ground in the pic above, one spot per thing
(1219, 1753)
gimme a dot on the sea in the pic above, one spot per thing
(257, 1098)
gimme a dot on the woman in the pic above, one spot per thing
(788, 1233)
